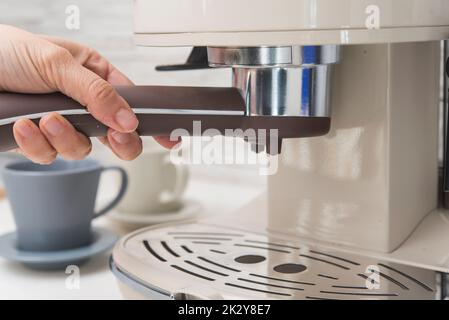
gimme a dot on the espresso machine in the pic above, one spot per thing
(352, 92)
(355, 211)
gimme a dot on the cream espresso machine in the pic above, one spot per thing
(356, 209)
(352, 213)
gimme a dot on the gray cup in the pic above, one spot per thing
(54, 205)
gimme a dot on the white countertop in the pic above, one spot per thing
(96, 281)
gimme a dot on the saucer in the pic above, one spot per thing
(51, 260)
(189, 210)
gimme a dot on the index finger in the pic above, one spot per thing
(95, 93)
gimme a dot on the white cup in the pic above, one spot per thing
(156, 185)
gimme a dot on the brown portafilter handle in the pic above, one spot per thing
(160, 110)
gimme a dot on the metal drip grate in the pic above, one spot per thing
(239, 265)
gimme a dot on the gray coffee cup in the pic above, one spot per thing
(53, 205)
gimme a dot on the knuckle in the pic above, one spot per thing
(54, 60)
(101, 90)
(98, 63)
(93, 55)
(55, 54)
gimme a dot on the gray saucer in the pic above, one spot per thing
(103, 240)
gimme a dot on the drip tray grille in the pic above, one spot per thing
(204, 261)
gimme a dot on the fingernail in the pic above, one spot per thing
(121, 138)
(24, 129)
(126, 119)
(54, 126)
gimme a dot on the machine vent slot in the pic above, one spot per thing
(169, 250)
(364, 276)
(218, 234)
(350, 287)
(186, 249)
(422, 285)
(365, 294)
(257, 290)
(206, 243)
(218, 265)
(150, 250)
(270, 285)
(334, 257)
(217, 251)
(318, 298)
(203, 238)
(327, 277)
(325, 261)
(263, 248)
(282, 280)
(273, 244)
(192, 273)
(206, 269)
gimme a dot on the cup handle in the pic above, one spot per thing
(121, 192)
(175, 191)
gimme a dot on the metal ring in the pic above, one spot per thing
(282, 56)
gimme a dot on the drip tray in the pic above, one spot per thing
(199, 261)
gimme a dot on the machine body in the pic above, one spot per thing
(368, 188)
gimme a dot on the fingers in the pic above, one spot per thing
(89, 89)
(100, 98)
(129, 146)
(166, 142)
(93, 61)
(126, 146)
(84, 75)
(67, 142)
(117, 78)
(88, 78)
(54, 136)
(84, 56)
(33, 143)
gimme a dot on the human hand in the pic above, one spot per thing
(39, 64)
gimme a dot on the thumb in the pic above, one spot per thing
(95, 93)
